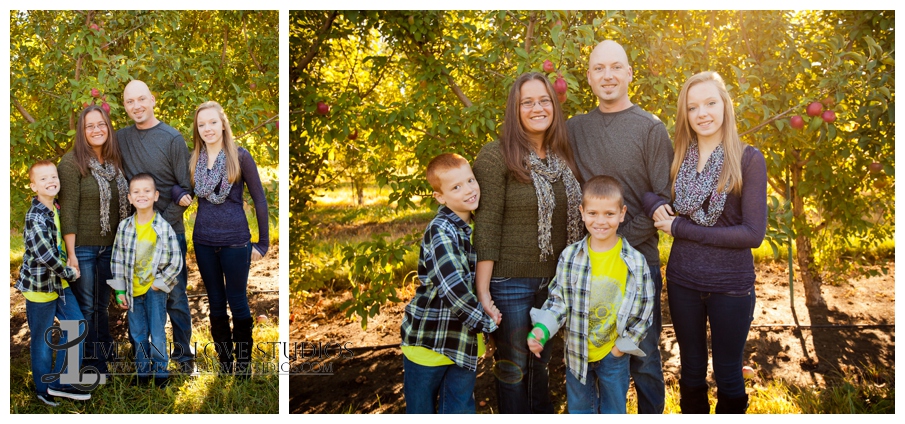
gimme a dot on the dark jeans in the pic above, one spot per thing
(179, 313)
(224, 271)
(730, 316)
(93, 296)
(522, 379)
(40, 318)
(605, 388)
(647, 371)
(447, 389)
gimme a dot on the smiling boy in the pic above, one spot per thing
(603, 294)
(441, 327)
(146, 262)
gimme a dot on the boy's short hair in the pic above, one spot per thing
(38, 164)
(143, 176)
(602, 186)
(442, 163)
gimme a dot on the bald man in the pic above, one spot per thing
(620, 139)
(156, 148)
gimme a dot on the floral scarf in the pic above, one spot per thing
(693, 188)
(207, 180)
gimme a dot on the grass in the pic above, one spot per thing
(206, 393)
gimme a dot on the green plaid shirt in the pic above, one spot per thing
(43, 263)
(167, 260)
(445, 315)
(569, 300)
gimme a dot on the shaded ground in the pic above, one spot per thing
(371, 380)
(263, 299)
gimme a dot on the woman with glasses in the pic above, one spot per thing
(529, 213)
(93, 199)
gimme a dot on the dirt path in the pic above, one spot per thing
(371, 381)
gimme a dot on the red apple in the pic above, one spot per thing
(353, 136)
(560, 85)
(875, 168)
(278, 125)
(881, 183)
(252, 86)
(829, 101)
(561, 97)
(548, 66)
(814, 109)
(105, 107)
(262, 319)
(323, 108)
(829, 116)
(748, 372)
(84, 105)
(797, 122)
(95, 92)
(94, 27)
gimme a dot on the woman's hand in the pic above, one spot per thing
(665, 225)
(185, 201)
(255, 255)
(663, 212)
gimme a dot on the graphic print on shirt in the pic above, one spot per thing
(145, 243)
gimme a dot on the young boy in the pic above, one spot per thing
(146, 261)
(604, 295)
(441, 339)
(43, 282)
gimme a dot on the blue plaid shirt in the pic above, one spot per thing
(568, 304)
(43, 264)
(445, 315)
(167, 261)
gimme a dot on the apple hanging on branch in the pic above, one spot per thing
(829, 116)
(323, 108)
(561, 88)
(814, 109)
(548, 66)
(797, 122)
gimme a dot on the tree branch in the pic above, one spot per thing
(457, 90)
(256, 127)
(294, 73)
(248, 47)
(22, 110)
(532, 19)
(113, 41)
(435, 137)
(225, 40)
(768, 121)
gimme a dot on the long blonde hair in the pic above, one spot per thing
(233, 172)
(733, 148)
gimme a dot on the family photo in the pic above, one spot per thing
(144, 211)
(592, 212)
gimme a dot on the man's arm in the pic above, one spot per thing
(658, 154)
(179, 157)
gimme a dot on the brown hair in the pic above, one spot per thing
(733, 148)
(83, 152)
(233, 171)
(442, 163)
(38, 164)
(514, 142)
(602, 186)
(143, 176)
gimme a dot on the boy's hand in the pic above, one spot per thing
(77, 273)
(616, 352)
(533, 344)
(122, 302)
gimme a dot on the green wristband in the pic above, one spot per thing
(119, 292)
(543, 329)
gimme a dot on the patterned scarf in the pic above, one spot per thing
(693, 188)
(544, 176)
(206, 181)
(104, 174)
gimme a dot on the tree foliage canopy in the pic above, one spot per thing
(404, 86)
(185, 57)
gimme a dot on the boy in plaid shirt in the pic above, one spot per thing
(603, 294)
(43, 281)
(441, 339)
(146, 261)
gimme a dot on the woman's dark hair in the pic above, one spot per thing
(514, 142)
(83, 152)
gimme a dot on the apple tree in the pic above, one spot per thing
(61, 61)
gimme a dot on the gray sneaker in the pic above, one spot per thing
(68, 393)
(47, 400)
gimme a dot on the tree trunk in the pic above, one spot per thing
(810, 276)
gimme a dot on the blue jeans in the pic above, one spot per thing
(40, 317)
(447, 389)
(93, 296)
(147, 324)
(180, 315)
(224, 271)
(605, 388)
(522, 379)
(730, 316)
(647, 371)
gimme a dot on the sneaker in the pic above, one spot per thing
(68, 393)
(47, 400)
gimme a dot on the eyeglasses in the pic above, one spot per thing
(529, 104)
(90, 128)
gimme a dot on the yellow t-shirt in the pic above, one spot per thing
(39, 297)
(608, 275)
(145, 244)
(428, 358)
